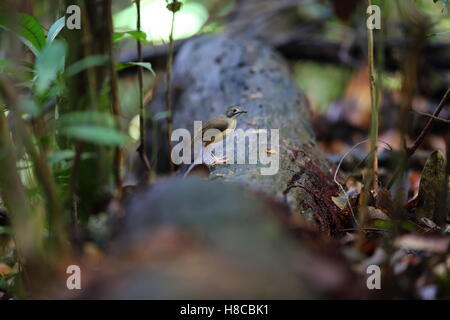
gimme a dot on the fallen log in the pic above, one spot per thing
(194, 239)
(212, 72)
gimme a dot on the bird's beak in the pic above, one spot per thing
(242, 111)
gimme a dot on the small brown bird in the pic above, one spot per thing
(223, 123)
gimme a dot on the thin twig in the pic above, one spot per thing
(374, 109)
(169, 89)
(427, 127)
(432, 116)
(340, 185)
(142, 114)
(420, 138)
(73, 194)
(370, 179)
(387, 147)
(115, 99)
(338, 168)
(364, 229)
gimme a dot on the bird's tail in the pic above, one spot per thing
(189, 169)
(192, 165)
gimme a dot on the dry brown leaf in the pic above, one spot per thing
(376, 214)
(437, 244)
(384, 201)
(356, 104)
(92, 253)
(414, 180)
(5, 269)
(353, 186)
(429, 223)
(340, 201)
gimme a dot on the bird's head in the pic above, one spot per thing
(234, 111)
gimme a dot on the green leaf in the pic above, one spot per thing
(31, 33)
(91, 126)
(124, 65)
(408, 226)
(96, 134)
(383, 224)
(60, 156)
(55, 29)
(29, 66)
(117, 36)
(161, 115)
(87, 117)
(5, 66)
(29, 107)
(437, 34)
(138, 35)
(88, 62)
(49, 63)
(5, 230)
(9, 276)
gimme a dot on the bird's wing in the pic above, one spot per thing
(220, 123)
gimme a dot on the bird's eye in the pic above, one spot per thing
(235, 110)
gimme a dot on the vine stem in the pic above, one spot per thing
(142, 114)
(169, 90)
(374, 100)
(118, 156)
(370, 179)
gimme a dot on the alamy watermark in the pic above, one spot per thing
(374, 20)
(374, 280)
(73, 19)
(74, 280)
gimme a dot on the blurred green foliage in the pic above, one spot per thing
(157, 22)
(323, 84)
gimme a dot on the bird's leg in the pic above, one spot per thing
(219, 161)
(216, 160)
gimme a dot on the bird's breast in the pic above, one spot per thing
(232, 125)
